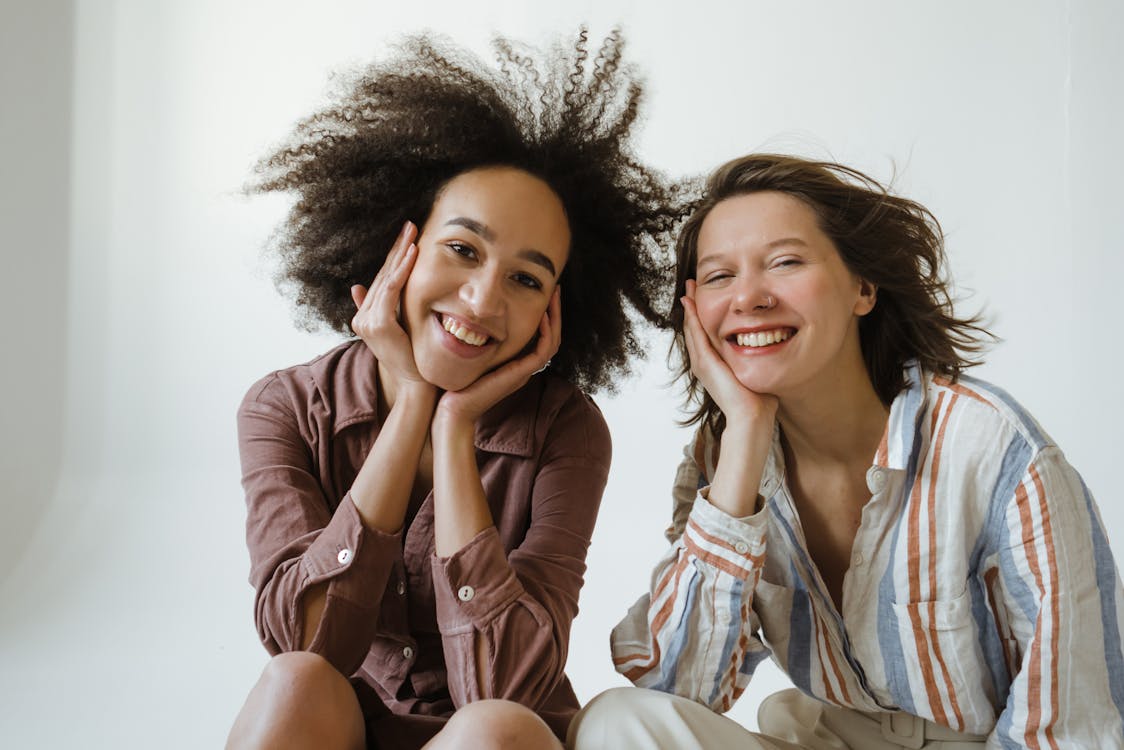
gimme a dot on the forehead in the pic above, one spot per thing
(757, 220)
(518, 209)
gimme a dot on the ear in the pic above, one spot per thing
(868, 296)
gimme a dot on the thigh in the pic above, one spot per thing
(809, 723)
(638, 719)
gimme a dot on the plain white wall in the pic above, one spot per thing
(138, 309)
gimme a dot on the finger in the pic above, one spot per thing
(403, 244)
(552, 321)
(358, 294)
(547, 345)
(698, 345)
(689, 340)
(555, 309)
(389, 294)
(405, 265)
(393, 260)
(691, 289)
(397, 250)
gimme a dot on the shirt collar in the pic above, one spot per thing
(508, 427)
(906, 413)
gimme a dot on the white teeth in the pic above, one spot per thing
(763, 338)
(469, 337)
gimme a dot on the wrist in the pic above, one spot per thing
(416, 397)
(450, 424)
(747, 431)
(753, 412)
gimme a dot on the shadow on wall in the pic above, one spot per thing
(36, 54)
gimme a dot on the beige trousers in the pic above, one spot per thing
(636, 719)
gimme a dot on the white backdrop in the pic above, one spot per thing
(137, 308)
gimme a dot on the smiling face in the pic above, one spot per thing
(489, 257)
(774, 296)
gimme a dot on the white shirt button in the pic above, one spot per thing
(857, 559)
(401, 588)
(466, 593)
(741, 548)
(408, 652)
(876, 479)
(344, 556)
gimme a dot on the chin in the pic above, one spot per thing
(765, 386)
(447, 379)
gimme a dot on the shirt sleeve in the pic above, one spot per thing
(297, 541)
(522, 604)
(695, 633)
(1060, 616)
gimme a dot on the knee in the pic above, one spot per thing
(299, 695)
(614, 703)
(301, 676)
(496, 725)
(617, 713)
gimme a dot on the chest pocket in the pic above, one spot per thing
(941, 645)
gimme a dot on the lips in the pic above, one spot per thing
(761, 338)
(464, 332)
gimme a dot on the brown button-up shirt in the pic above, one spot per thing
(398, 618)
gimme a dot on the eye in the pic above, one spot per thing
(787, 262)
(461, 249)
(527, 280)
(716, 277)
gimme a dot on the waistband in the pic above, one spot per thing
(913, 732)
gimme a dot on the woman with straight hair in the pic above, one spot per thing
(903, 540)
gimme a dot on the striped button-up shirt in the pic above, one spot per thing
(981, 594)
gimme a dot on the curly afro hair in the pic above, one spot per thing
(398, 131)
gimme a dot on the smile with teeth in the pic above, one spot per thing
(472, 338)
(763, 338)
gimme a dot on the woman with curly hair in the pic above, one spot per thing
(421, 498)
(903, 540)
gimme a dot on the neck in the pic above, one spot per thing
(840, 422)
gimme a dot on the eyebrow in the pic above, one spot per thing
(720, 256)
(787, 241)
(533, 256)
(473, 226)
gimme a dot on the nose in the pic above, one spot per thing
(750, 294)
(482, 294)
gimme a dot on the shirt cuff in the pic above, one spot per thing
(733, 545)
(474, 584)
(355, 559)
